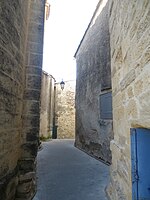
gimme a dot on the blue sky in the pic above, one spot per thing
(63, 31)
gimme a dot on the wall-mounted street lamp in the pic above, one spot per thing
(62, 84)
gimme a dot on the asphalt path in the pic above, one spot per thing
(66, 173)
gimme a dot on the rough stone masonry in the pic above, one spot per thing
(129, 26)
(93, 131)
(47, 105)
(21, 52)
(65, 110)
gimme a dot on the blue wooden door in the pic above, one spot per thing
(140, 158)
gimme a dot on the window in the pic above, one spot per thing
(106, 105)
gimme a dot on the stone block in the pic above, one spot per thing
(143, 26)
(36, 37)
(24, 188)
(8, 185)
(145, 59)
(34, 70)
(31, 121)
(132, 109)
(11, 188)
(32, 134)
(144, 105)
(37, 16)
(36, 59)
(130, 92)
(27, 165)
(32, 107)
(27, 177)
(33, 82)
(32, 94)
(38, 6)
(130, 76)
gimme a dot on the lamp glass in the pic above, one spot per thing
(62, 84)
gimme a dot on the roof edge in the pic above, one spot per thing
(88, 27)
(46, 73)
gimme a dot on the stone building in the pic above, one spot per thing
(129, 27)
(93, 87)
(57, 113)
(21, 52)
(128, 23)
(47, 105)
(65, 110)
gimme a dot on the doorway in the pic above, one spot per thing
(140, 162)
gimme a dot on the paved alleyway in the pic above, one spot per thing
(66, 173)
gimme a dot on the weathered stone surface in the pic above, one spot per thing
(130, 65)
(24, 188)
(33, 70)
(19, 88)
(65, 110)
(30, 149)
(27, 165)
(32, 134)
(31, 94)
(93, 79)
(12, 47)
(8, 185)
(47, 105)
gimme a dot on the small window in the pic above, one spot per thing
(106, 106)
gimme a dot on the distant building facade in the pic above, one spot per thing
(57, 109)
(65, 110)
(47, 104)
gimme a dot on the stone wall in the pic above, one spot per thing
(21, 44)
(93, 133)
(13, 23)
(47, 106)
(130, 63)
(65, 110)
(31, 111)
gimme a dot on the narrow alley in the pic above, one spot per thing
(74, 69)
(66, 173)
